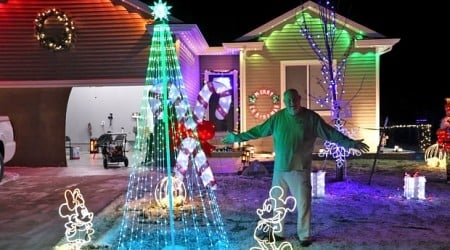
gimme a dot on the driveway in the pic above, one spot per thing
(30, 198)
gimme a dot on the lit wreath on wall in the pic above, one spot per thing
(55, 44)
(264, 92)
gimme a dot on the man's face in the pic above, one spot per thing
(292, 102)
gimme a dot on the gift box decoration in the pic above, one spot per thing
(414, 186)
(318, 183)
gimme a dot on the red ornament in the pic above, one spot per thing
(443, 139)
(206, 130)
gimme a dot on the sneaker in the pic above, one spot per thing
(305, 243)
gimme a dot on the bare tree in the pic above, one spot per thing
(332, 78)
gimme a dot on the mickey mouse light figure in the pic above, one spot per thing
(271, 215)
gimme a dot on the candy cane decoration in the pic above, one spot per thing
(174, 98)
(190, 147)
(204, 95)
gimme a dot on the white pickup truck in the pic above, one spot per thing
(7, 143)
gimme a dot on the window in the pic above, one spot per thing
(305, 76)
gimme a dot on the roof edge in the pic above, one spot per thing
(188, 33)
(315, 8)
(142, 9)
(382, 46)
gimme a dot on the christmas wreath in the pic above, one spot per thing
(54, 43)
(275, 101)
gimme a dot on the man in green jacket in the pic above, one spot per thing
(294, 130)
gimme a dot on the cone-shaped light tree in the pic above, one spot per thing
(170, 202)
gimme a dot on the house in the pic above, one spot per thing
(105, 43)
(275, 57)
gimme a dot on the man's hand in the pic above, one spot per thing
(229, 138)
(361, 146)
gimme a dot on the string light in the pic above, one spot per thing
(170, 202)
(333, 78)
(414, 186)
(271, 214)
(54, 43)
(424, 133)
(79, 226)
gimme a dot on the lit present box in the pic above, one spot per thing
(318, 183)
(414, 187)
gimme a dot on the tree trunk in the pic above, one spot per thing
(341, 171)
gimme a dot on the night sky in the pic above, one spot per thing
(412, 84)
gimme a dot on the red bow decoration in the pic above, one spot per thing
(206, 131)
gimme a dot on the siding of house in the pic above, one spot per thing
(189, 64)
(100, 27)
(284, 43)
(111, 47)
(218, 63)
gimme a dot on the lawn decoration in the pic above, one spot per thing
(206, 131)
(170, 201)
(434, 156)
(443, 136)
(333, 76)
(79, 220)
(414, 186)
(318, 183)
(270, 216)
(162, 192)
(183, 125)
(210, 87)
(190, 151)
(438, 155)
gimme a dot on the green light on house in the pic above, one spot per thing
(360, 36)
(290, 32)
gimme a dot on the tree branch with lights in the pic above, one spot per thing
(332, 79)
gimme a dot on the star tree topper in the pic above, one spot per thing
(160, 10)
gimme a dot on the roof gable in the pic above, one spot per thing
(311, 7)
